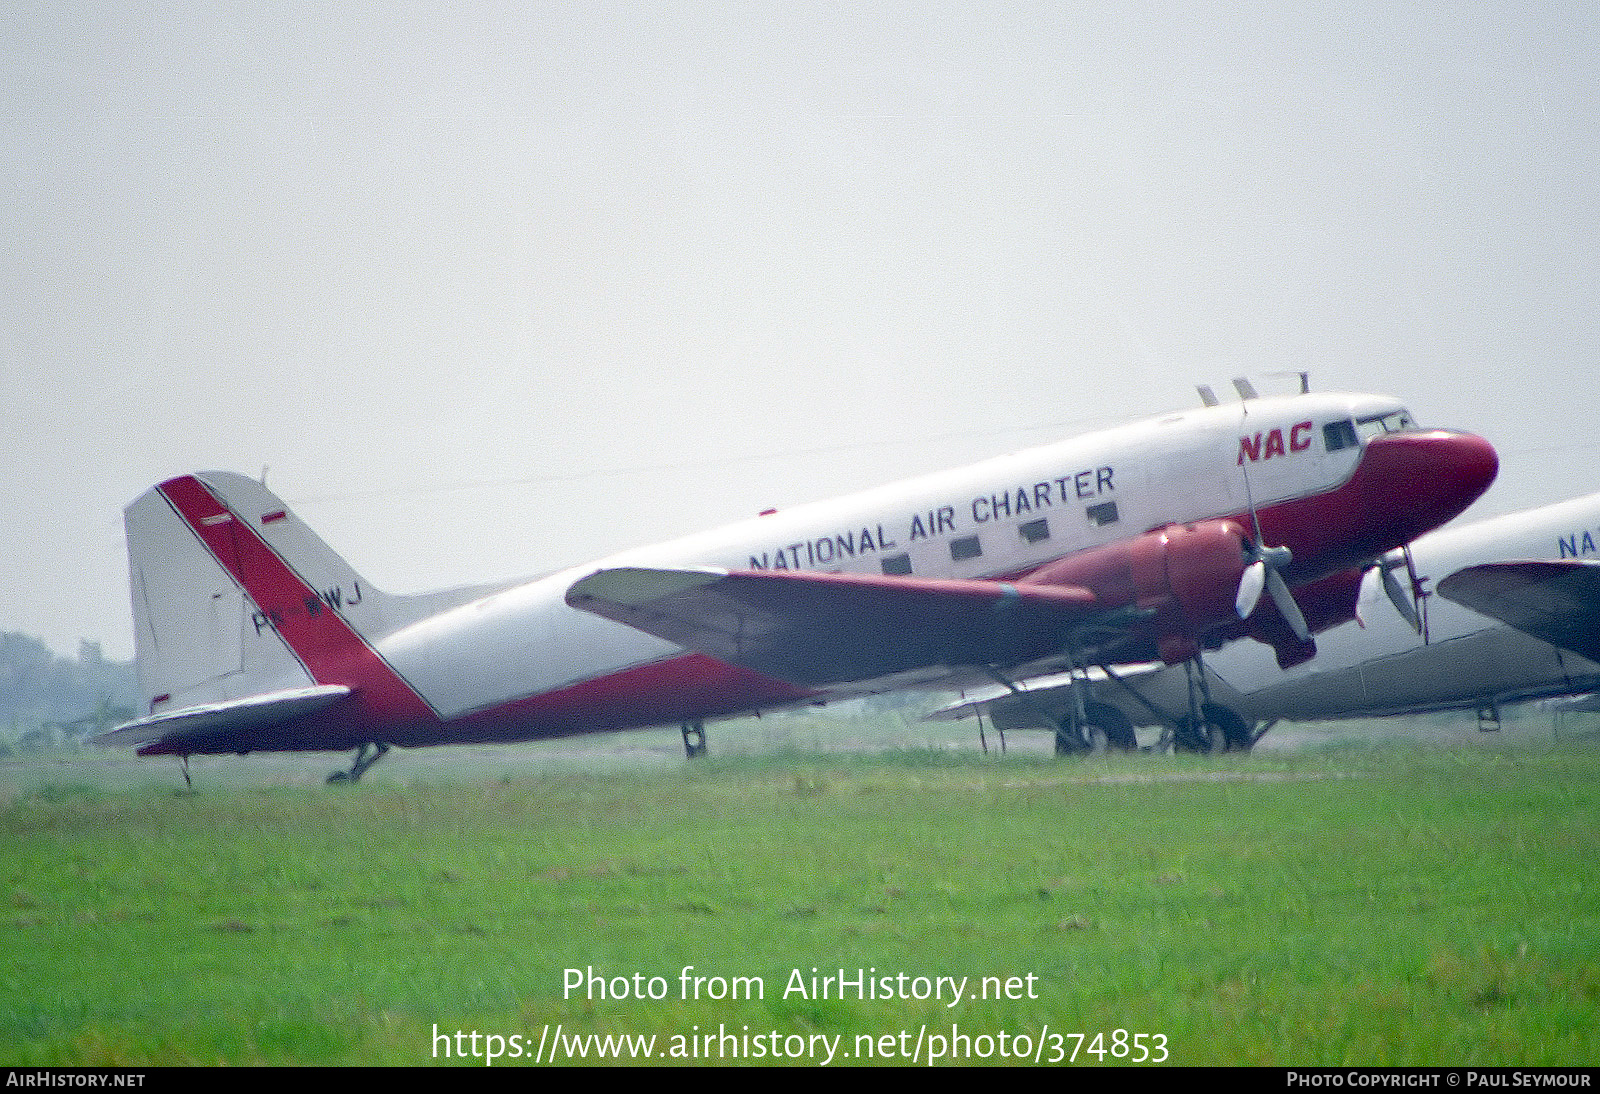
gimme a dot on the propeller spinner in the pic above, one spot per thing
(1263, 571)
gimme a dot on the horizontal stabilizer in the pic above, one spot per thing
(1555, 601)
(255, 712)
(817, 629)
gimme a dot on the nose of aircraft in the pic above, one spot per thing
(1425, 478)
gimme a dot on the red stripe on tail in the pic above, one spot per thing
(332, 651)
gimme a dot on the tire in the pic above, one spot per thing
(1104, 722)
(1222, 731)
(1235, 735)
(1187, 737)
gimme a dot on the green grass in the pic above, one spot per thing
(1381, 903)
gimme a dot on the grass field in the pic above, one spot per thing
(1336, 901)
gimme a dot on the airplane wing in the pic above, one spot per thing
(1051, 692)
(818, 630)
(233, 716)
(1555, 601)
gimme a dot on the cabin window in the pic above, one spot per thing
(897, 565)
(1035, 531)
(964, 548)
(1337, 435)
(1103, 514)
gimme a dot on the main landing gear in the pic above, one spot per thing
(364, 759)
(694, 739)
(1209, 727)
(1100, 728)
(1087, 726)
(1217, 729)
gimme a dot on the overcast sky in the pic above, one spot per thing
(492, 288)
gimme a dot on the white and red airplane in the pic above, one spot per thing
(1150, 541)
(1500, 611)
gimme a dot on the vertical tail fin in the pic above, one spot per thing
(233, 596)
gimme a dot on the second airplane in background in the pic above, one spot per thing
(1154, 541)
(1505, 610)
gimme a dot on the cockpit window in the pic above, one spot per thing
(1393, 422)
(1340, 434)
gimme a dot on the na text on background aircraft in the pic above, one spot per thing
(1505, 610)
(1150, 541)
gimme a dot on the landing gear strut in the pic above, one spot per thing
(1087, 726)
(694, 739)
(363, 760)
(1209, 727)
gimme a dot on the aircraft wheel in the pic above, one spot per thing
(1187, 737)
(1066, 743)
(1226, 724)
(1220, 731)
(1108, 729)
(1203, 738)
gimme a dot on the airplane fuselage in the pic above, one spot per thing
(998, 519)
(1322, 475)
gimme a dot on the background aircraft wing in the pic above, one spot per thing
(1555, 601)
(1044, 700)
(817, 630)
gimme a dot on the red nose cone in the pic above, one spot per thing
(1427, 478)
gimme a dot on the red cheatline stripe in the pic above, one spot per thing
(332, 651)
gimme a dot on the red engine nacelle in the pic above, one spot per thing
(1185, 575)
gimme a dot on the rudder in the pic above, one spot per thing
(234, 596)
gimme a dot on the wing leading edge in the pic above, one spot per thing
(819, 630)
(1555, 601)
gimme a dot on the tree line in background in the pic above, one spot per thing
(48, 701)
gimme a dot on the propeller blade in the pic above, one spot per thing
(1401, 599)
(1405, 600)
(1284, 599)
(1263, 572)
(1251, 583)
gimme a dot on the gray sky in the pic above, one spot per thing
(492, 288)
